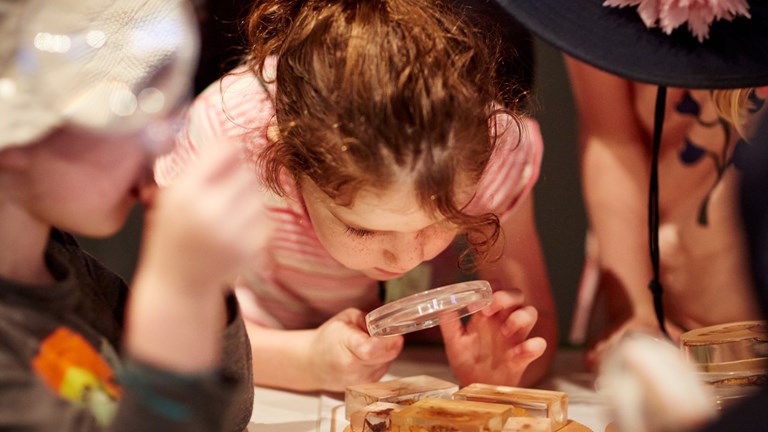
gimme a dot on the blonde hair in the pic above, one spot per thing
(731, 106)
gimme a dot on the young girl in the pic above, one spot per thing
(377, 129)
(78, 350)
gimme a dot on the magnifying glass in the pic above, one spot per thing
(428, 308)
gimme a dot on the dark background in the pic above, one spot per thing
(560, 214)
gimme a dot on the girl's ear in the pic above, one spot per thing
(14, 158)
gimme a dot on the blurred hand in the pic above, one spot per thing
(645, 325)
(652, 388)
(198, 234)
(203, 229)
(343, 353)
(493, 348)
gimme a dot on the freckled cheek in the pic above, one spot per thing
(354, 253)
(436, 240)
(357, 254)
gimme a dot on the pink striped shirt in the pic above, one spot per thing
(295, 283)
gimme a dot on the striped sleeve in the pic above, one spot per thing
(513, 169)
(233, 110)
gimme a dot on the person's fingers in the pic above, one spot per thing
(373, 350)
(379, 372)
(360, 320)
(593, 357)
(454, 333)
(674, 332)
(519, 323)
(451, 329)
(385, 349)
(503, 300)
(353, 317)
(528, 351)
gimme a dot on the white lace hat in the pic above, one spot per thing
(107, 65)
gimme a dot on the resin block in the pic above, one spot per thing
(440, 415)
(374, 417)
(538, 403)
(527, 424)
(401, 391)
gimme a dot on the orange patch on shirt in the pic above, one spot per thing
(66, 354)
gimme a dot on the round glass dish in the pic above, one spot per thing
(426, 309)
(732, 358)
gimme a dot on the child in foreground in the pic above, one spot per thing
(378, 131)
(86, 103)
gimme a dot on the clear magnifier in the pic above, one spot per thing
(427, 309)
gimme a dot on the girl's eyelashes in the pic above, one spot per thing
(357, 232)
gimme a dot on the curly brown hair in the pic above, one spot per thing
(370, 90)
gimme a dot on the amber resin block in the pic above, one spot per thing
(527, 424)
(441, 415)
(538, 403)
(374, 417)
(401, 391)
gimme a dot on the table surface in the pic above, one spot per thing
(286, 411)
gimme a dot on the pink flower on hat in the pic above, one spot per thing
(671, 14)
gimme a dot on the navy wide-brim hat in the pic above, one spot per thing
(616, 40)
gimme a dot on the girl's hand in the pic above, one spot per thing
(343, 354)
(493, 348)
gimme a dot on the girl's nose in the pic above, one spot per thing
(405, 252)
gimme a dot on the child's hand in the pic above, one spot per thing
(198, 233)
(205, 227)
(493, 348)
(343, 354)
